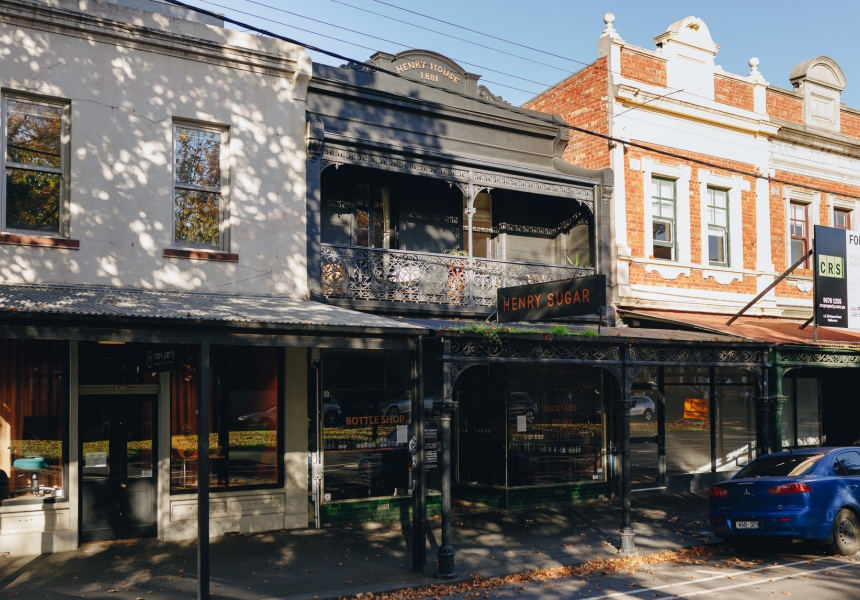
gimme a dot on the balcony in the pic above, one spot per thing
(359, 273)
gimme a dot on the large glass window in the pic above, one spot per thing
(550, 420)
(718, 227)
(688, 420)
(663, 197)
(799, 231)
(198, 203)
(366, 408)
(245, 418)
(35, 164)
(32, 418)
(801, 412)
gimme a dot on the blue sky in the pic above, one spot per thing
(554, 38)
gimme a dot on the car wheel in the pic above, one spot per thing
(267, 423)
(846, 533)
(648, 414)
(392, 411)
(331, 418)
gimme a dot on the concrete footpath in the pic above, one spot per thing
(345, 561)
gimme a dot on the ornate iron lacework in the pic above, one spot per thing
(338, 156)
(534, 350)
(359, 273)
(680, 355)
(812, 358)
(549, 232)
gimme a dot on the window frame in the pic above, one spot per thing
(222, 189)
(805, 238)
(710, 209)
(63, 220)
(660, 218)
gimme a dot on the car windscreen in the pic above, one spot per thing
(780, 466)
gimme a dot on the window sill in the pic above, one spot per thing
(44, 242)
(200, 255)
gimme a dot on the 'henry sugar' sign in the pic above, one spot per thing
(837, 277)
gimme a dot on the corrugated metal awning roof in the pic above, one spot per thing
(776, 330)
(110, 302)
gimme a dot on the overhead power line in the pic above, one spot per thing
(518, 110)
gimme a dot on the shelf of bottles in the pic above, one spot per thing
(550, 453)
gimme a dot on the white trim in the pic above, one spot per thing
(681, 175)
(849, 205)
(813, 201)
(734, 186)
(224, 188)
(63, 224)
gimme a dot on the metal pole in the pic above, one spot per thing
(628, 545)
(419, 497)
(446, 549)
(203, 476)
(776, 281)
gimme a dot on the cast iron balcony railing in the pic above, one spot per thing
(359, 273)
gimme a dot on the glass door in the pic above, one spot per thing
(117, 459)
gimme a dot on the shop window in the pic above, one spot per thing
(366, 412)
(35, 196)
(801, 413)
(199, 192)
(663, 197)
(245, 418)
(32, 419)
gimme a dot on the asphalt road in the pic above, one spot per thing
(764, 572)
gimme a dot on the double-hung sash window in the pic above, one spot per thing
(718, 227)
(842, 218)
(799, 231)
(198, 190)
(663, 200)
(35, 162)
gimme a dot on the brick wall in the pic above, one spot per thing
(850, 124)
(778, 221)
(644, 68)
(581, 101)
(781, 105)
(733, 92)
(635, 189)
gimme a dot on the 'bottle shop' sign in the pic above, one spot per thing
(551, 300)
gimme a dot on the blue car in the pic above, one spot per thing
(806, 494)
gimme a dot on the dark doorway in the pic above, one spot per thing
(117, 459)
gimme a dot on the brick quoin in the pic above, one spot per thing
(581, 100)
(733, 92)
(782, 105)
(641, 67)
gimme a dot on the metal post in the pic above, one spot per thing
(446, 549)
(628, 545)
(763, 425)
(203, 476)
(470, 213)
(419, 497)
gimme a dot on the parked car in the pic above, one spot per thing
(403, 406)
(804, 494)
(265, 418)
(520, 403)
(643, 407)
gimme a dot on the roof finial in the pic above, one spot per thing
(754, 73)
(609, 19)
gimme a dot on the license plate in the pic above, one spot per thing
(746, 524)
